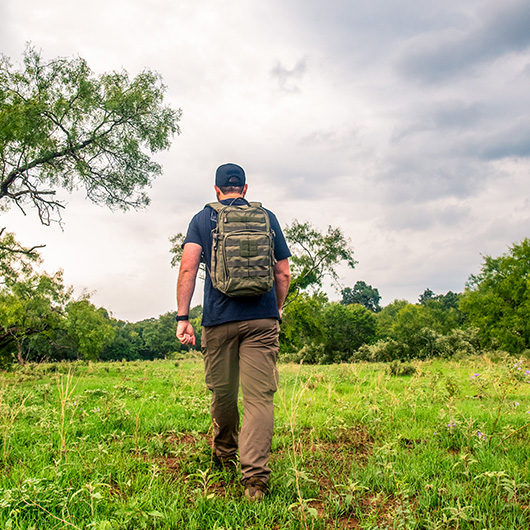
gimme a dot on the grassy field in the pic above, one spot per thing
(429, 445)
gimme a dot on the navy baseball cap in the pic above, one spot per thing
(229, 175)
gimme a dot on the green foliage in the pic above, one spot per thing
(347, 329)
(414, 326)
(153, 338)
(315, 255)
(158, 336)
(15, 259)
(88, 328)
(31, 302)
(401, 369)
(33, 306)
(363, 294)
(458, 343)
(39, 321)
(176, 248)
(408, 325)
(445, 309)
(126, 344)
(433, 328)
(384, 350)
(63, 126)
(386, 317)
(317, 331)
(302, 322)
(497, 300)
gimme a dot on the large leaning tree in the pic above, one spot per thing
(62, 126)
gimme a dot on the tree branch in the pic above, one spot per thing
(19, 249)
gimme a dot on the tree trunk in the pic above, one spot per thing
(20, 359)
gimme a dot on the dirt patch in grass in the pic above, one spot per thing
(188, 439)
(190, 459)
(345, 521)
(178, 449)
(355, 441)
(380, 509)
(349, 447)
(329, 462)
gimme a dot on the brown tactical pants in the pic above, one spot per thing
(245, 351)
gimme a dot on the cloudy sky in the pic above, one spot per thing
(406, 123)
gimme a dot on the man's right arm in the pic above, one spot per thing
(189, 266)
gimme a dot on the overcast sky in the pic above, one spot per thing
(406, 123)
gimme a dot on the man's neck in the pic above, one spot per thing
(223, 197)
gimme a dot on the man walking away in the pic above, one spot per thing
(240, 335)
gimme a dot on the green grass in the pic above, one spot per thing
(128, 446)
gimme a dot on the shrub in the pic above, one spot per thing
(458, 343)
(382, 351)
(401, 369)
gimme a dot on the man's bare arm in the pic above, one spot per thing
(282, 279)
(189, 266)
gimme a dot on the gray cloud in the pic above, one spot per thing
(363, 30)
(449, 115)
(512, 141)
(286, 77)
(423, 217)
(422, 179)
(435, 57)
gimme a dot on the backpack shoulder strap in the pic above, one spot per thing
(217, 206)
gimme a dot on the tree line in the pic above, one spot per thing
(492, 313)
(40, 320)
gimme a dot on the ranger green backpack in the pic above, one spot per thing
(242, 250)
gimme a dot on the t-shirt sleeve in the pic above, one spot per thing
(194, 234)
(281, 250)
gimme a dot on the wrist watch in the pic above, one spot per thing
(178, 318)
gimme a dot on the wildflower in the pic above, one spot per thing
(527, 372)
(481, 436)
(474, 375)
(516, 403)
(451, 424)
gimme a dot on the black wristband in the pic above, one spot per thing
(178, 318)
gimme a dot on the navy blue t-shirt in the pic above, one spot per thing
(217, 307)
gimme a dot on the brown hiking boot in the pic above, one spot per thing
(255, 489)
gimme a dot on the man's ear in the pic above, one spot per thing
(244, 192)
(217, 191)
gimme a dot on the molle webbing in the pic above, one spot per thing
(242, 250)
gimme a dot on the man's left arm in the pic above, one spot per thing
(282, 279)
